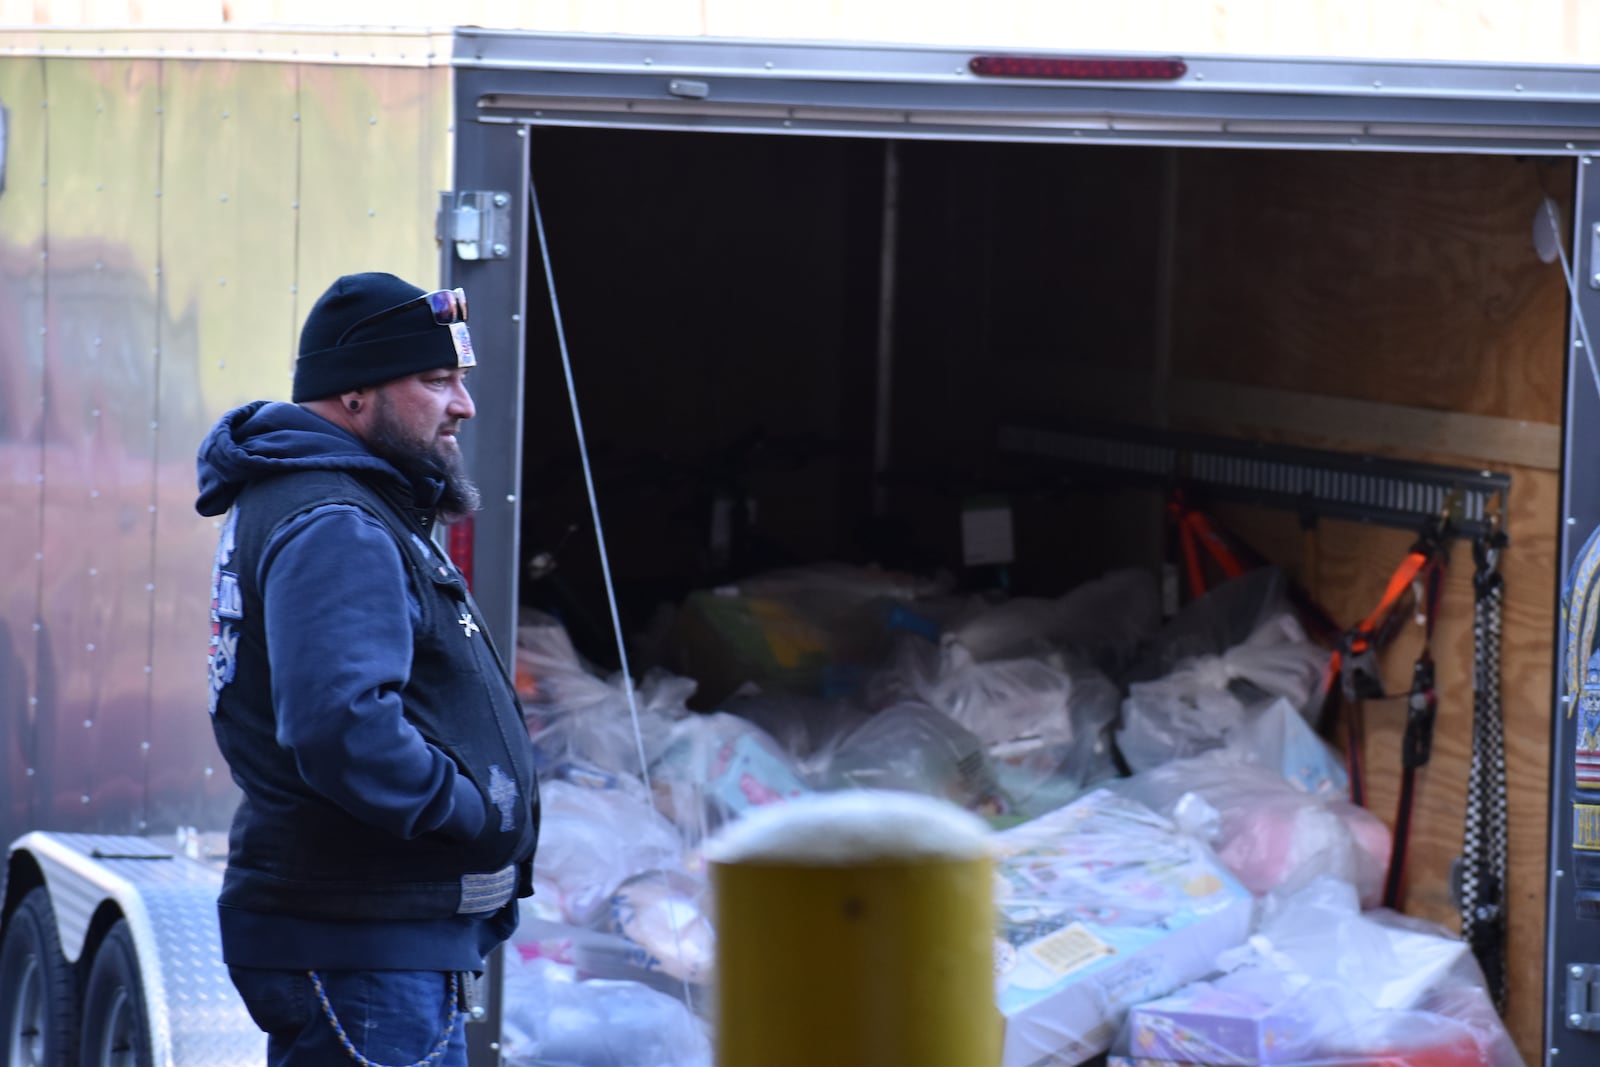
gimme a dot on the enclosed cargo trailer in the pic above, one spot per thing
(848, 273)
(160, 218)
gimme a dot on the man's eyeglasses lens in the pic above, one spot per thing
(449, 306)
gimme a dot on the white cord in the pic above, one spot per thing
(588, 480)
(600, 539)
(1569, 272)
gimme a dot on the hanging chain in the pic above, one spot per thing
(440, 1047)
(1483, 869)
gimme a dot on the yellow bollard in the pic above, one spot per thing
(855, 930)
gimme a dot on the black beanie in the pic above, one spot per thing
(393, 347)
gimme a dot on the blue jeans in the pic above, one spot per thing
(393, 1018)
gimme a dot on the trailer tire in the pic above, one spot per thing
(38, 996)
(116, 1031)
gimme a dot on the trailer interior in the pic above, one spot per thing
(763, 385)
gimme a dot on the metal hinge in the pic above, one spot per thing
(477, 222)
(1583, 996)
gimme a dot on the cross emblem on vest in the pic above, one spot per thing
(503, 794)
(469, 625)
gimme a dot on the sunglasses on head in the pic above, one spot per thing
(449, 306)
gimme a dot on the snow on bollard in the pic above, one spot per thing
(855, 930)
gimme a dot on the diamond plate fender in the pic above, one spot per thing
(170, 902)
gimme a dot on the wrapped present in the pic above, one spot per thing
(1321, 983)
(1446, 1053)
(714, 768)
(1221, 1027)
(662, 916)
(1102, 904)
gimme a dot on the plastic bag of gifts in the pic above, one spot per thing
(618, 894)
(1210, 625)
(813, 630)
(1102, 904)
(1269, 829)
(576, 717)
(713, 768)
(802, 725)
(656, 930)
(1105, 619)
(1202, 702)
(595, 836)
(1322, 984)
(553, 1018)
(1045, 722)
(912, 748)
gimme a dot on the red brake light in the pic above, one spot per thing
(1079, 69)
(458, 543)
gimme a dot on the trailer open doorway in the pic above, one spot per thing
(723, 297)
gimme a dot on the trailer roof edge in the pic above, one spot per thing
(388, 46)
(492, 49)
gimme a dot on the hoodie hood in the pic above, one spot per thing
(267, 438)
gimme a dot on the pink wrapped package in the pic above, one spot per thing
(1267, 847)
(1271, 835)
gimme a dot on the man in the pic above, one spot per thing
(390, 810)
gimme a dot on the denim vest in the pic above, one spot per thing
(302, 855)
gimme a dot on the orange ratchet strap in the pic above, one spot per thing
(1356, 659)
(1358, 650)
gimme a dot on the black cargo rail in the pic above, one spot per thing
(1313, 482)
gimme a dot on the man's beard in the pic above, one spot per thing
(413, 456)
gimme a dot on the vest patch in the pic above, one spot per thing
(503, 793)
(227, 605)
(224, 662)
(230, 603)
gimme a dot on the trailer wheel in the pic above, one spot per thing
(115, 1030)
(38, 998)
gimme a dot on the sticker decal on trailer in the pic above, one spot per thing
(1586, 827)
(1586, 757)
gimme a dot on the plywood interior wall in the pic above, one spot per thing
(1391, 305)
(1409, 281)
(1538, 31)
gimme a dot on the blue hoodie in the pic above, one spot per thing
(342, 614)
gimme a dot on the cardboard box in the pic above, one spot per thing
(1457, 1053)
(1221, 1028)
(1102, 905)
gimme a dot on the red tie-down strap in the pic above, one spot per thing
(1195, 531)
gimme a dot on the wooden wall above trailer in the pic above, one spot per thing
(1543, 31)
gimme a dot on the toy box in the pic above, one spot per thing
(1102, 905)
(1223, 1027)
(1458, 1052)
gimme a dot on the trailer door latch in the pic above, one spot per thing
(1594, 250)
(477, 222)
(1583, 996)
